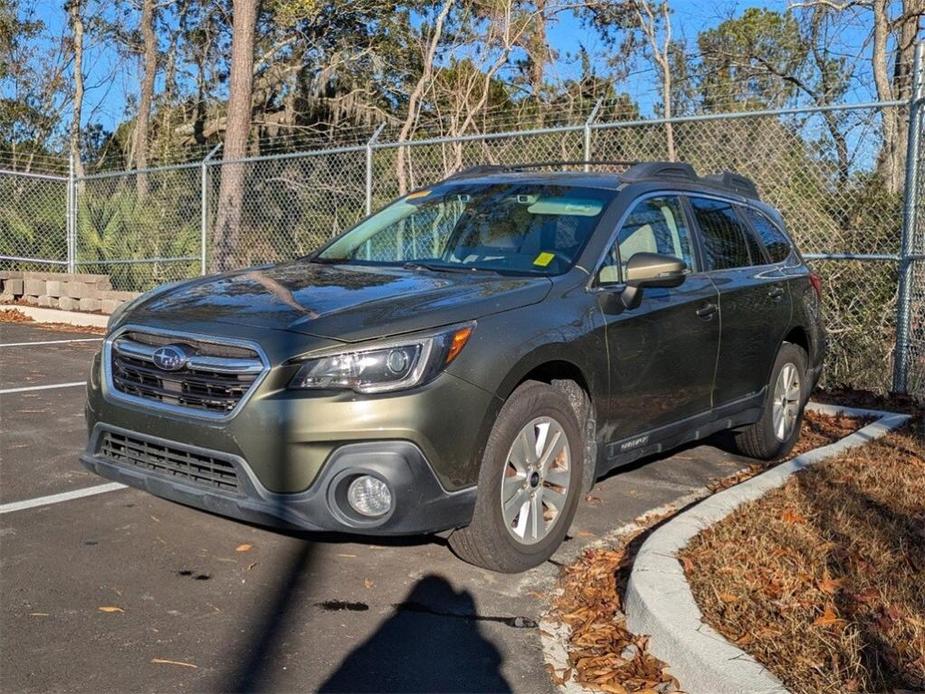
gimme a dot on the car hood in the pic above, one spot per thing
(347, 303)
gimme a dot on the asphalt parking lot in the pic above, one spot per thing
(121, 591)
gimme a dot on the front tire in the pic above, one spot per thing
(529, 483)
(774, 435)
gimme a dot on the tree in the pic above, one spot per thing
(892, 161)
(655, 23)
(891, 82)
(764, 59)
(417, 93)
(231, 188)
(751, 62)
(75, 19)
(145, 97)
(635, 27)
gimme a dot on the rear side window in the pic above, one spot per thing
(724, 234)
(775, 243)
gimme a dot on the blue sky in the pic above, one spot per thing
(112, 78)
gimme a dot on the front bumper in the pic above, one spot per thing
(420, 503)
(287, 437)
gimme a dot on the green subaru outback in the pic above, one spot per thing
(470, 358)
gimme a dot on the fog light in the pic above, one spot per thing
(369, 496)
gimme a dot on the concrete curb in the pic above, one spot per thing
(659, 601)
(554, 635)
(51, 315)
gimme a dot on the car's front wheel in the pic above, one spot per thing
(774, 435)
(529, 483)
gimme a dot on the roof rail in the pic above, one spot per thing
(658, 169)
(734, 181)
(511, 168)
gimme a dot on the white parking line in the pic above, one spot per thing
(58, 498)
(51, 342)
(50, 387)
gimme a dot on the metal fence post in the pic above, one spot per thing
(369, 168)
(70, 224)
(204, 186)
(587, 131)
(910, 210)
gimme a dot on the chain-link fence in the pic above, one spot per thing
(818, 166)
(33, 220)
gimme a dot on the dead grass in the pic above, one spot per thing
(893, 402)
(13, 315)
(603, 654)
(823, 580)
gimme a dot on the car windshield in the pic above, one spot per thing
(521, 228)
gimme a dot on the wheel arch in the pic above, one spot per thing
(549, 366)
(799, 336)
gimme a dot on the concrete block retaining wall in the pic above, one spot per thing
(70, 292)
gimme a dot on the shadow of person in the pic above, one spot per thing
(431, 643)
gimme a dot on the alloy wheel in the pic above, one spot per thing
(786, 405)
(535, 484)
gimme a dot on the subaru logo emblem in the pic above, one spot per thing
(170, 357)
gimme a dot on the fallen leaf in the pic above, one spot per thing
(728, 597)
(368, 582)
(164, 661)
(243, 548)
(110, 609)
(830, 585)
(792, 517)
(828, 617)
(613, 688)
(868, 595)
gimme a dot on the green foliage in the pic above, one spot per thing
(114, 224)
(32, 218)
(744, 60)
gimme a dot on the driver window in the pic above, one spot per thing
(656, 225)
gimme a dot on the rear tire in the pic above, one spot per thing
(774, 435)
(529, 484)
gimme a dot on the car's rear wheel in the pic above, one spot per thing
(529, 484)
(774, 435)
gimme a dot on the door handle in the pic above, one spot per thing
(707, 311)
(776, 293)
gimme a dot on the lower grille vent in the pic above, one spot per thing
(168, 461)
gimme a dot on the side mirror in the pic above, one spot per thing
(654, 270)
(643, 270)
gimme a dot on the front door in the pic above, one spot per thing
(663, 352)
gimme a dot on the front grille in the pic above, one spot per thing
(176, 463)
(214, 378)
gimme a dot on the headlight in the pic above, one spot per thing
(384, 367)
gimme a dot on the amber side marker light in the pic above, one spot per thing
(460, 338)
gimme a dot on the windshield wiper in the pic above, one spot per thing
(327, 261)
(417, 265)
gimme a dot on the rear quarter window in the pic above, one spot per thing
(775, 242)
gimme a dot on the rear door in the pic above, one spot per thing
(753, 298)
(663, 352)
